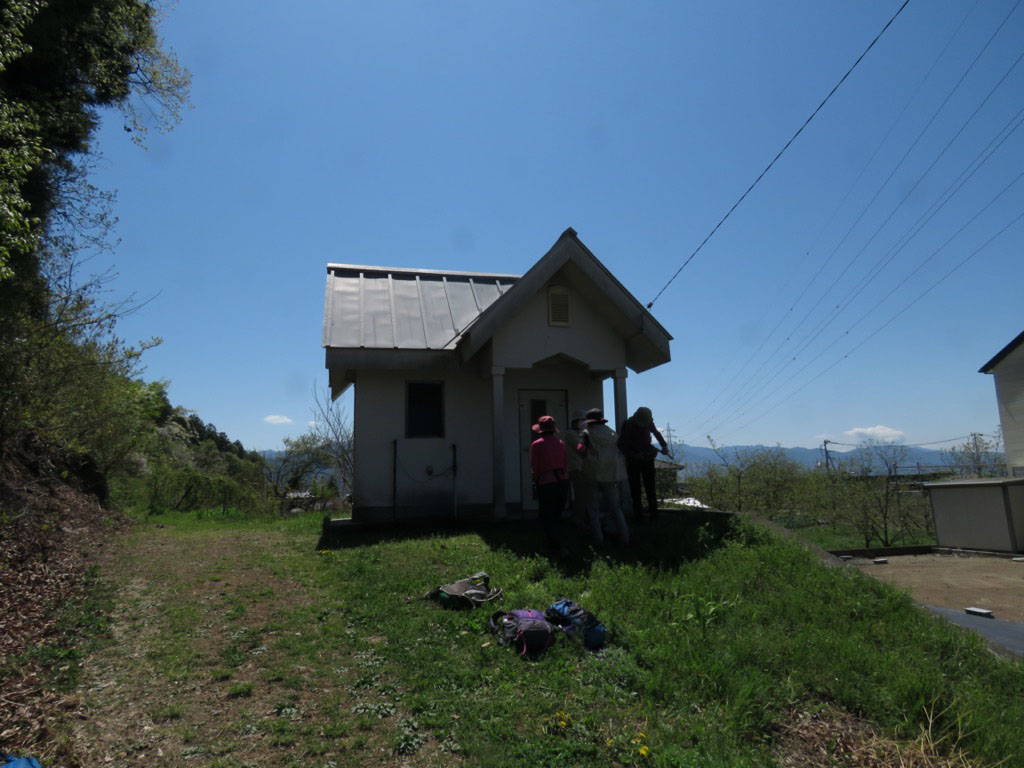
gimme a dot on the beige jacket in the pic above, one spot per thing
(600, 463)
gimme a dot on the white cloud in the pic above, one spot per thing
(275, 419)
(877, 432)
(310, 424)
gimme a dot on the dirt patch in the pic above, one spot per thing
(958, 581)
(49, 534)
(217, 660)
(830, 737)
(173, 619)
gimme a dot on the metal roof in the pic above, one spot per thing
(399, 308)
(1001, 354)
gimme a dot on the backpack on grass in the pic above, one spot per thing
(524, 629)
(470, 592)
(577, 622)
(10, 761)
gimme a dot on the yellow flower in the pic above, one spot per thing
(609, 742)
(641, 735)
(644, 750)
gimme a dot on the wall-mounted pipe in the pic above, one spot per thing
(455, 485)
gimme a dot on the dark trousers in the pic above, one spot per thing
(642, 470)
(551, 499)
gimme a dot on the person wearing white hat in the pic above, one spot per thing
(600, 468)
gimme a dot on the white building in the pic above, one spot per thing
(451, 369)
(1007, 368)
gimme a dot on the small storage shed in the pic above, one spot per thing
(451, 369)
(1007, 369)
(987, 513)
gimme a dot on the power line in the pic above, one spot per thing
(737, 413)
(809, 338)
(892, 319)
(908, 236)
(753, 389)
(919, 445)
(779, 154)
(793, 304)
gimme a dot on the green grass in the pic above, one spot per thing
(832, 537)
(715, 634)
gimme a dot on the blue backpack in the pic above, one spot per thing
(577, 622)
(10, 761)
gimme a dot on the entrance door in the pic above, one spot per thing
(534, 403)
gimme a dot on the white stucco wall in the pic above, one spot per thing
(527, 337)
(379, 419)
(380, 400)
(1009, 380)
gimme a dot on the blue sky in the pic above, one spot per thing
(468, 136)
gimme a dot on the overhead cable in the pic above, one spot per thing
(817, 273)
(752, 389)
(737, 414)
(779, 153)
(894, 317)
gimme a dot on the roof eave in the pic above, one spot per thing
(1002, 354)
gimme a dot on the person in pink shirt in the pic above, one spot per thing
(549, 466)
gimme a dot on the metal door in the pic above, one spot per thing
(534, 403)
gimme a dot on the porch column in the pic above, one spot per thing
(498, 441)
(621, 411)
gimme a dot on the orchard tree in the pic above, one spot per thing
(978, 456)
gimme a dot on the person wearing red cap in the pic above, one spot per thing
(548, 464)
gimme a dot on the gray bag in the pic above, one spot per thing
(470, 592)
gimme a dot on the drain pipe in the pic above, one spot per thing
(394, 479)
(455, 485)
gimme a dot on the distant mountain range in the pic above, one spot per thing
(696, 457)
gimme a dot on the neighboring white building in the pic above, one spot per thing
(1007, 368)
(451, 369)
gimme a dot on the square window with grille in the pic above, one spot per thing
(558, 306)
(424, 409)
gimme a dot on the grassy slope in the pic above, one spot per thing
(708, 651)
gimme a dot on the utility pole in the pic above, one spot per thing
(828, 461)
(977, 454)
(669, 435)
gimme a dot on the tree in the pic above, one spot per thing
(871, 497)
(979, 456)
(61, 63)
(331, 428)
(303, 461)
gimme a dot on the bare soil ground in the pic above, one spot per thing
(958, 581)
(198, 670)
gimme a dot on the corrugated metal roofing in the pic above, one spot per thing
(394, 308)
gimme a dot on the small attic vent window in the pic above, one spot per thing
(558, 306)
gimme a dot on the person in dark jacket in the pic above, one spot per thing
(549, 466)
(636, 446)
